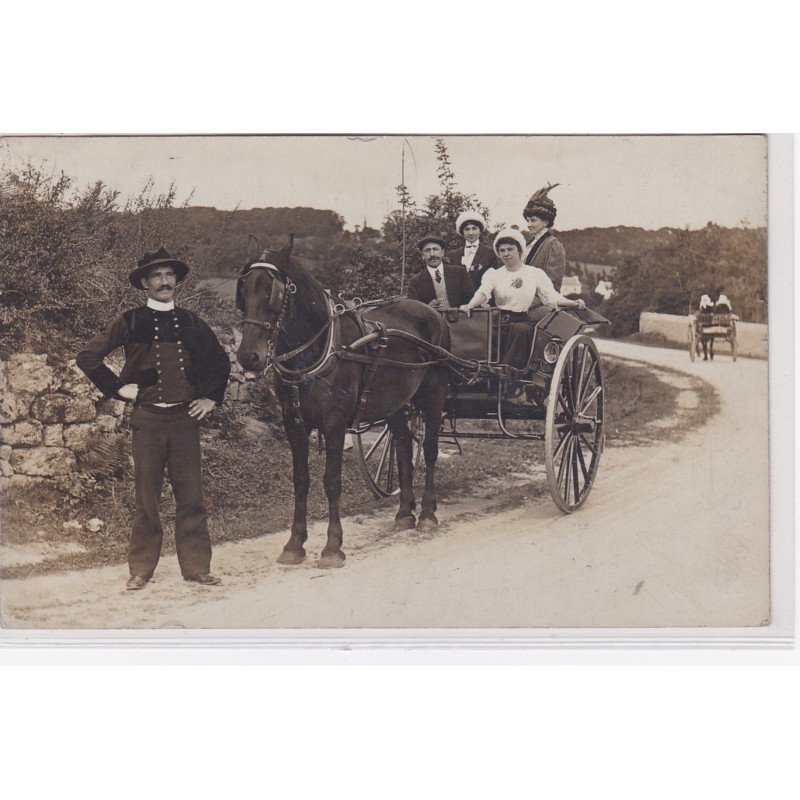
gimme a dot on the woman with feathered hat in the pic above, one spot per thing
(517, 289)
(544, 251)
(473, 255)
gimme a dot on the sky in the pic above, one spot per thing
(645, 181)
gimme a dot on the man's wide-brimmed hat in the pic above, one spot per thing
(510, 235)
(470, 216)
(431, 238)
(159, 259)
(540, 205)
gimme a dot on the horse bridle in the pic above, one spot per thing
(282, 289)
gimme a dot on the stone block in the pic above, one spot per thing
(233, 391)
(29, 374)
(19, 482)
(115, 408)
(13, 408)
(28, 433)
(5, 451)
(76, 437)
(43, 461)
(53, 436)
(55, 408)
(6, 469)
(106, 423)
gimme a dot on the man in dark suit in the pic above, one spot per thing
(175, 373)
(438, 284)
(474, 256)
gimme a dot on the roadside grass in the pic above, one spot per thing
(249, 490)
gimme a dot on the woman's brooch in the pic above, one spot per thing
(517, 283)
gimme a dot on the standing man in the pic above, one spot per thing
(544, 250)
(439, 285)
(175, 372)
(474, 256)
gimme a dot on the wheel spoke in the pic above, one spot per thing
(565, 469)
(563, 458)
(595, 392)
(560, 445)
(588, 444)
(376, 443)
(574, 469)
(582, 462)
(382, 460)
(580, 376)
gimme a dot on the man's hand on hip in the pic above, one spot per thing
(128, 392)
(199, 408)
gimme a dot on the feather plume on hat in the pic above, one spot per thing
(541, 205)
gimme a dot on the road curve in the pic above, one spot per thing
(673, 535)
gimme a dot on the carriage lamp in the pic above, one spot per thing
(551, 351)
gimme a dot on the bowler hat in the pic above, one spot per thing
(158, 259)
(431, 238)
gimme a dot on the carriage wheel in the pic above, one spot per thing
(377, 457)
(574, 434)
(692, 341)
(734, 345)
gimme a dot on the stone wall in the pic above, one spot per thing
(49, 411)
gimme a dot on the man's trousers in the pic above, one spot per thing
(168, 437)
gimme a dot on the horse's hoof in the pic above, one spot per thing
(405, 523)
(427, 523)
(292, 557)
(332, 560)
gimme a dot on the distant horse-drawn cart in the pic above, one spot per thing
(705, 327)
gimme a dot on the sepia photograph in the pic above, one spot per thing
(386, 382)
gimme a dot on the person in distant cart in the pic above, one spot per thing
(473, 255)
(175, 373)
(544, 251)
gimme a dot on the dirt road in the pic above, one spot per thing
(673, 535)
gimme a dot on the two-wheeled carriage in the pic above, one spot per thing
(706, 327)
(562, 387)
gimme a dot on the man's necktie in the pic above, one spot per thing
(438, 276)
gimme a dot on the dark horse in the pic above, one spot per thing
(327, 383)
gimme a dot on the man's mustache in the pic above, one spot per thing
(164, 286)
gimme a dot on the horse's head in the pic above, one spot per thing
(263, 293)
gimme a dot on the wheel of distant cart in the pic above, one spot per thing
(574, 433)
(376, 453)
(692, 341)
(734, 345)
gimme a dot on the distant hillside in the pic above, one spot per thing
(610, 246)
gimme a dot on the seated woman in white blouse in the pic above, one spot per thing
(520, 291)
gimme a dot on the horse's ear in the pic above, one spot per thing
(287, 250)
(250, 251)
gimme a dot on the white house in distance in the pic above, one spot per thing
(604, 289)
(570, 285)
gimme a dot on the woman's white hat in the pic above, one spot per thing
(470, 216)
(510, 233)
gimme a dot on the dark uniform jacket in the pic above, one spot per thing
(548, 254)
(485, 258)
(456, 281)
(172, 356)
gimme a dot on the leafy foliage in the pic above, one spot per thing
(65, 256)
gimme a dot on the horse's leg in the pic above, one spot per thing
(711, 348)
(332, 555)
(293, 551)
(704, 342)
(430, 446)
(398, 425)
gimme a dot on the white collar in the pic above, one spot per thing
(434, 270)
(476, 243)
(157, 306)
(539, 236)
